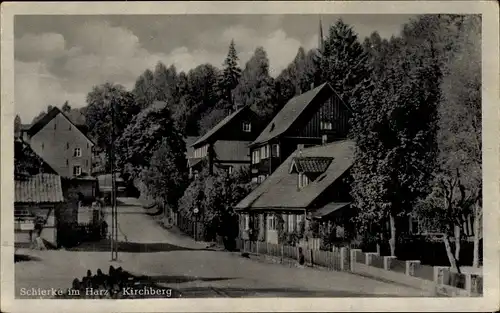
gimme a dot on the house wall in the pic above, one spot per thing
(329, 110)
(56, 143)
(307, 131)
(47, 212)
(234, 129)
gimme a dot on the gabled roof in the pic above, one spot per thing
(219, 126)
(279, 191)
(292, 110)
(310, 164)
(40, 188)
(36, 127)
(288, 114)
(27, 161)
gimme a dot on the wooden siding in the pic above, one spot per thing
(332, 110)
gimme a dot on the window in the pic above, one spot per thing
(87, 145)
(300, 218)
(271, 222)
(275, 151)
(77, 170)
(67, 162)
(77, 152)
(255, 179)
(43, 146)
(69, 127)
(291, 222)
(303, 180)
(247, 127)
(86, 162)
(55, 125)
(67, 145)
(327, 125)
(246, 219)
(255, 156)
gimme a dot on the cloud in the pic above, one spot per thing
(32, 47)
(50, 69)
(36, 88)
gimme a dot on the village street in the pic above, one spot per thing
(176, 261)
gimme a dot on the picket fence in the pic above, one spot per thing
(337, 259)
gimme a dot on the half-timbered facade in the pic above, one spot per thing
(313, 118)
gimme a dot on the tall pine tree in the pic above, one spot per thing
(229, 77)
(343, 60)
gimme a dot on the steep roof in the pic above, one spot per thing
(279, 191)
(38, 125)
(40, 188)
(289, 113)
(219, 126)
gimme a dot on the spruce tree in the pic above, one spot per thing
(343, 60)
(230, 76)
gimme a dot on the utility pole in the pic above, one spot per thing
(114, 211)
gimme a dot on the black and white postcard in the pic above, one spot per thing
(250, 156)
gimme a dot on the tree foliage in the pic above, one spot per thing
(143, 136)
(166, 177)
(256, 87)
(215, 196)
(457, 191)
(229, 76)
(395, 130)
(110, 108)
(343, 61)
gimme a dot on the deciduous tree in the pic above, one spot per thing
(110, 108)
(256, 87)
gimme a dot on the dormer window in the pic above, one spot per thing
(247, 127)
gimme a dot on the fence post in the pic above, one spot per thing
(343, 258)
(354, 253)
(410, 267)
(368, 257)
(387, 262)
(312, 257)
(468, 283)
(282, 252)
(439, 274)
(258, 250)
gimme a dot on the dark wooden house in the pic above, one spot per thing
(311, 184)
(225, 146)
(315, 117)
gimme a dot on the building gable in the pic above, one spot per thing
(49, 117)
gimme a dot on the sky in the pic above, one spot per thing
(60, 57)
